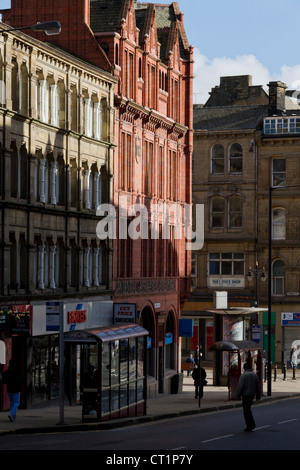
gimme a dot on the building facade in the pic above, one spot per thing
(225, 182)
(278, 168)
(56, 151)
(246, 141)
(147, 45)
(146, 48)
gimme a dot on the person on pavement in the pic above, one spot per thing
(12, 378)
(199, 376)
(190, 360)
(248, 387)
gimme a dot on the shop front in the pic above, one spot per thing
(290, 323)
(15, 330)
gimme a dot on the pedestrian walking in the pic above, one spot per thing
(12, 378)
(199, 376)
(190, 360)
(248, 387)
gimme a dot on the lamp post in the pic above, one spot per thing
(50, 28)
(256, 273)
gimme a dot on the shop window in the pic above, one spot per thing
(226, 264)
(45, 372)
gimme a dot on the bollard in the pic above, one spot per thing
(284, 372)
(275, 373)
(294, 372)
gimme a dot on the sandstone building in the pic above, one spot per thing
(246, 141)
(145, 48)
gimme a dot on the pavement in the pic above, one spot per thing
(47, 419)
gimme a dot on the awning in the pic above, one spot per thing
(105, 334)
(237, 310)
(234, 346)
(113, 333)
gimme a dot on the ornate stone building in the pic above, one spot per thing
(56, 161)
(146, 48)
(246, 141)
(56, 155)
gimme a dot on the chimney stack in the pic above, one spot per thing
(276, 97)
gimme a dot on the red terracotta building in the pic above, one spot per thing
(146, 47)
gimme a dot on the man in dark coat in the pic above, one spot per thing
(199, 376)
(12, 378)
(248, 388)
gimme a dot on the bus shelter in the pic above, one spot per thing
(239, 352)
(115, 386)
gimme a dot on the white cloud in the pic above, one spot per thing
(208, 72)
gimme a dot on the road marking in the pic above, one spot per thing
(262, 427)
(217, 438)
(288, 421)
(179, 448)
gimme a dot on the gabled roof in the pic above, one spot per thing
(106, 16)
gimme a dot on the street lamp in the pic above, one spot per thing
(50, 28)
(256, 273)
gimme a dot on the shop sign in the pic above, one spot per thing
(52, 316)
(77, 316)
(226, 282)
(290, 319)
(19, 319)
(186, 326)
(256, 333)
(124, 313)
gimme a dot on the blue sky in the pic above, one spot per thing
(233, 37)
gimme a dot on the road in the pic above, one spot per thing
(277, 428)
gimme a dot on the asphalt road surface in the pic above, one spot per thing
(277, 428)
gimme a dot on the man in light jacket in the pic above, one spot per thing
(248, 388)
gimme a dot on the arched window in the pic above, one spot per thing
(278, 277)
(235, 208)
(217, 212)
(236, 159)
(217, 159)
(278, 224)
